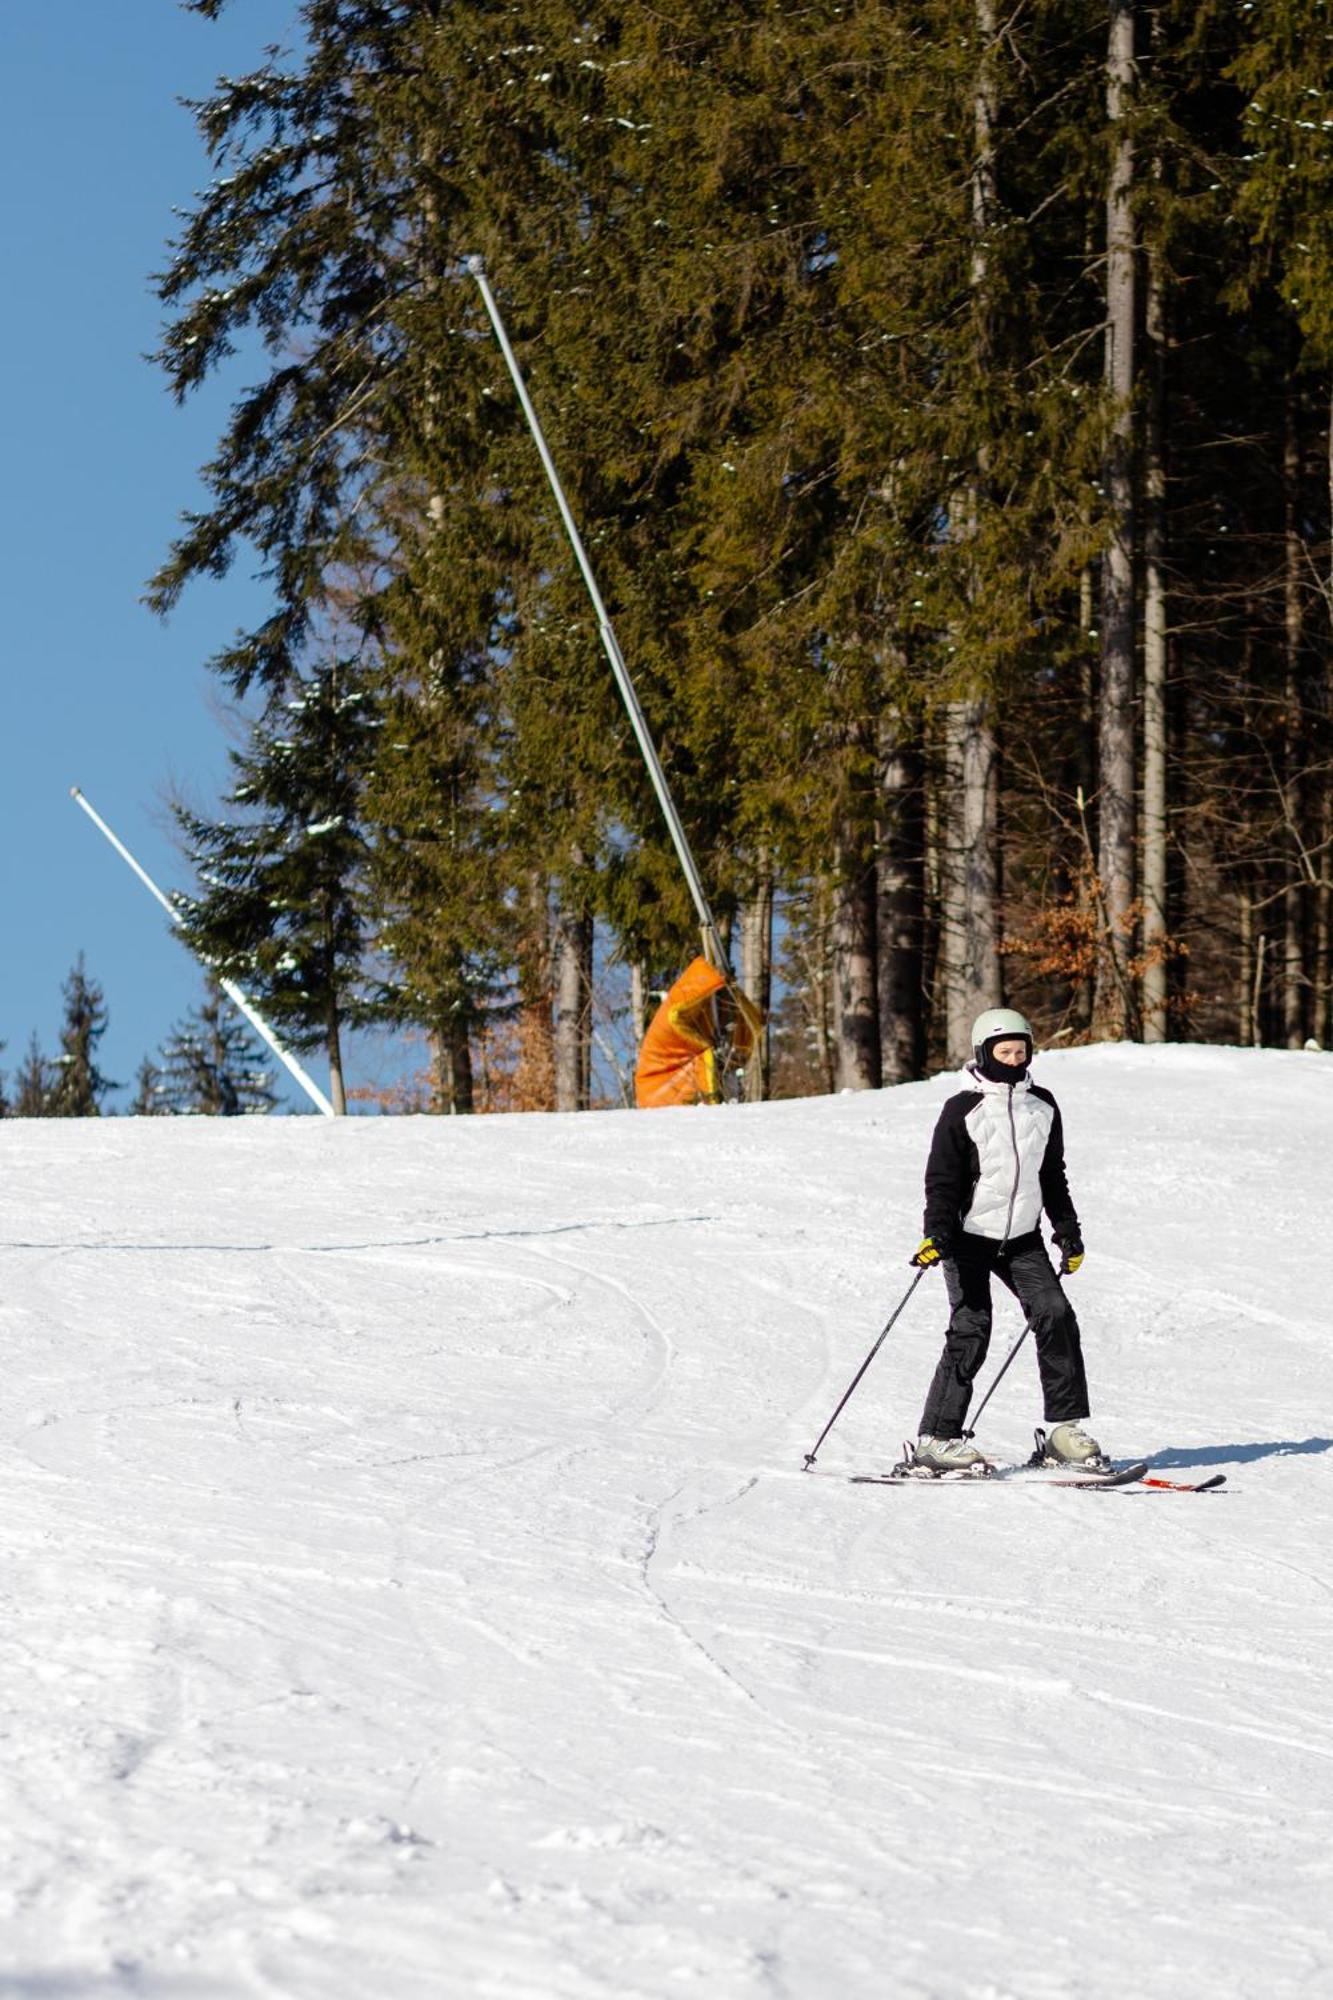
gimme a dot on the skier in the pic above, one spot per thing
(996, 1160)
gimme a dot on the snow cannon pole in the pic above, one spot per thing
(229, 987)
(810, 1456)
(714, 950)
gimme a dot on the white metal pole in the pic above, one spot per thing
(229, 987)
(713, 947)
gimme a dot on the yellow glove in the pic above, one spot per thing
(1071, 1255)
(928, 1255)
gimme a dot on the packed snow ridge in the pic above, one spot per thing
(413, 1591)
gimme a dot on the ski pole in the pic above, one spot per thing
(996, 1383)
(810, 1456)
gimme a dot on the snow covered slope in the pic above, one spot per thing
(411, 1591)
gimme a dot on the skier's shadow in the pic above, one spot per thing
(1236, 1454)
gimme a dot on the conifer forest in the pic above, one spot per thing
(944, 392)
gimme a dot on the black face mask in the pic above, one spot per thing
(998, 1072)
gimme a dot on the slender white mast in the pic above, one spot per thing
(713, 947)
(229, 987)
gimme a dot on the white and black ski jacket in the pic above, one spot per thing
(996, 1160)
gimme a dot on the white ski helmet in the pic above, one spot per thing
(997, 1023)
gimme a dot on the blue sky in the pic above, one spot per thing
(95, 153)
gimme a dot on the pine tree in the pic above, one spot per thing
(280, 907)
(78, 1086)
(33, 1082)
(147, 1100)
(279, 242)
(211, 1066)
(443, 925)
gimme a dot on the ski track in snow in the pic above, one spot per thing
(411, 1588)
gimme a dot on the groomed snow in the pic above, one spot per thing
(411, 1591)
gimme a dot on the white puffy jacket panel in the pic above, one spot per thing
(1010, 1127)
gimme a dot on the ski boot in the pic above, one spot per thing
(942, 1458)
(1070, 1447)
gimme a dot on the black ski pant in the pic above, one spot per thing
(1025, 1269)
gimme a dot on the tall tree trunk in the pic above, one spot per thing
(1156, 661)
(757, 978)
(1087, 681)
(1244, 989)
(534, 1074)
(969, 923)
(934, 982)
(1323, 953)
(451, 1065)
(333, 1049)
(1292, 978)
(1114, 1010)
(983, 189)
(900, 904)
(1073, 993)
(816, 964)
(460, 1069)
(856, 1014)
(572, 969)
(1261, 968)
(638, 1004)
(1321, 1020)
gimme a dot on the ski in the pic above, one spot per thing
(1187, 1485)
(923, 1479)
(1121, 1475)
(1136, 1475)
(1124, 1475)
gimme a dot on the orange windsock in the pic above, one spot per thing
(678, 1058)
